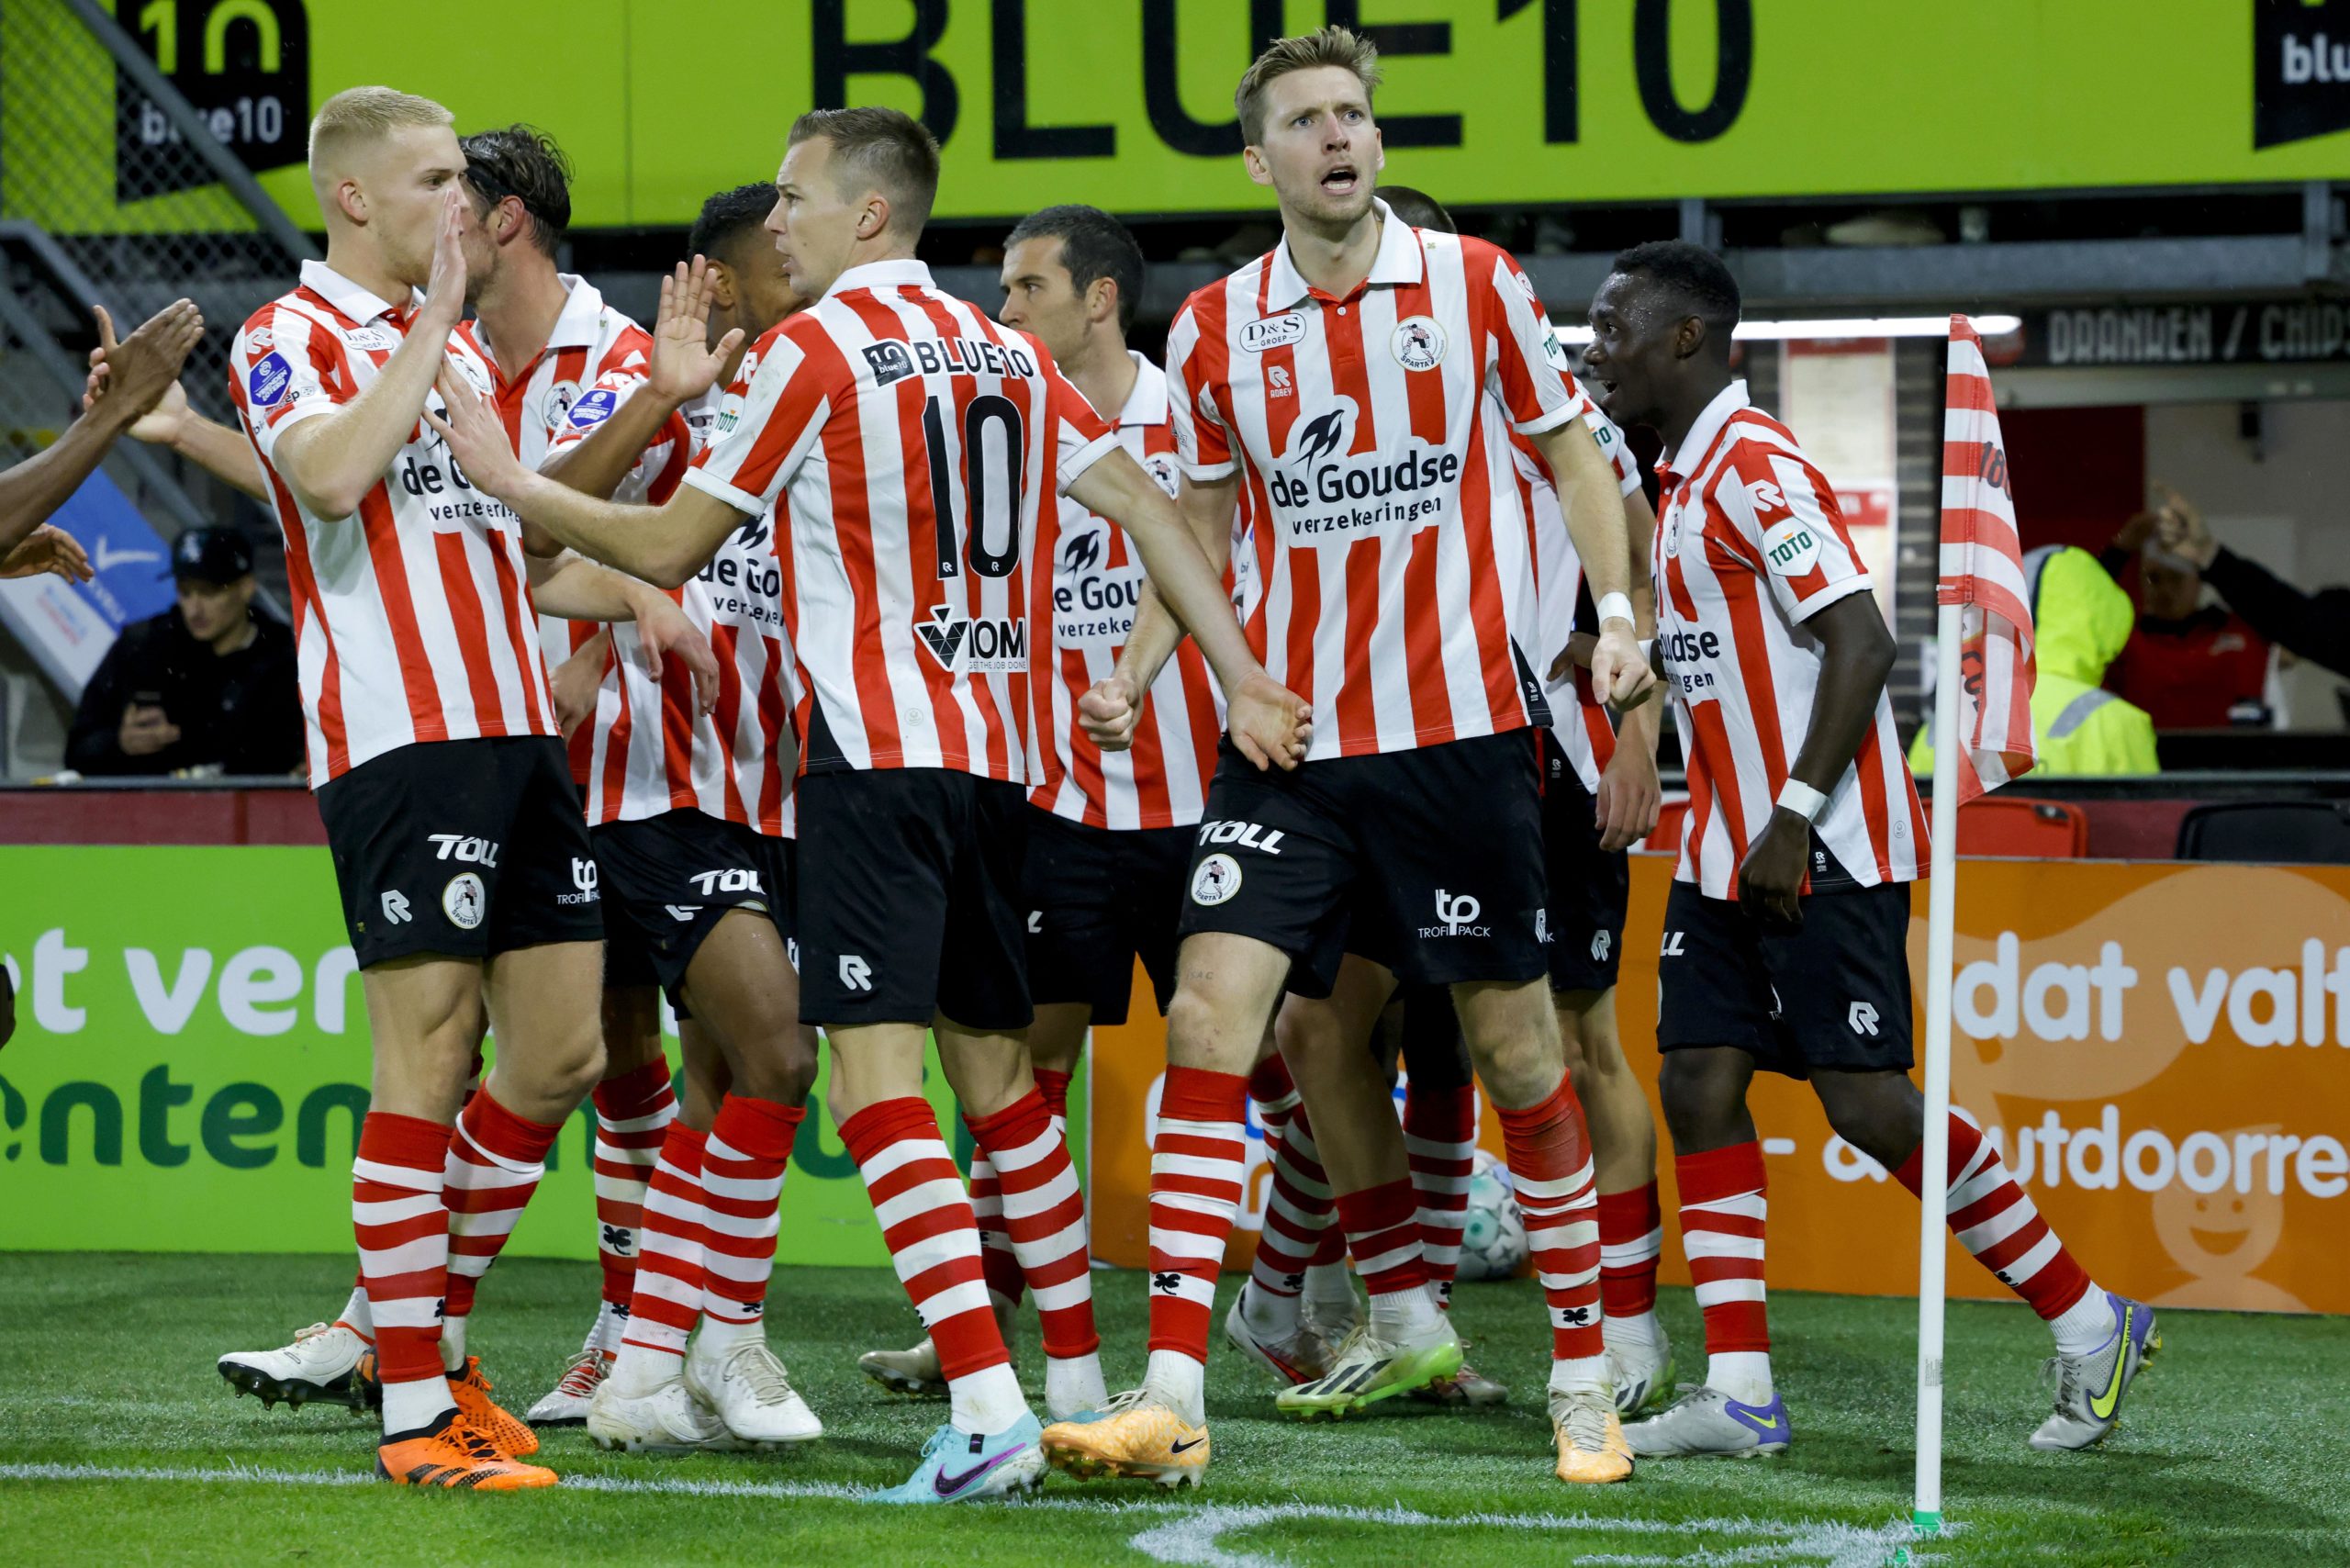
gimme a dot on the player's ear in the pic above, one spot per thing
(1253, 159)
(722, 286)
(874, 219)
(1101, 300)
(351, 199)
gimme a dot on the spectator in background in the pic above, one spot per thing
(2192, 665)
(2080, 620)
(207, 684)
(2314, 626)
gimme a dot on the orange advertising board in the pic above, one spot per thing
(2161, 1051)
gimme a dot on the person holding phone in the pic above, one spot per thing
(209, 683)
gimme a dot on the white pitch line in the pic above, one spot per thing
(1192, 1537)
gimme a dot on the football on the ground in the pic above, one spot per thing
(1492, 1234)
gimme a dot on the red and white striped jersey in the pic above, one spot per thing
(1749, 546)
(910, 442)
(1371, 436)
(1577, 717)
(1088, 582)
(649, 750)
(594, 358)
(412, 617)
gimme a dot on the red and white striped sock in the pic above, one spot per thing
(743, 1168)
(1301, 1214)
(1053, 1085)
(670, 1275)
(633, 1112)
(1197, 1164)
(496, 1159)
(1550, 1164)
(1997, 1221)
(403, 1233)
(1043, 1214)
(1440, 1140)
(1631, 1235)
(919, 1202)
(1723, 1214)
(1383, 1232)
(999, 1264)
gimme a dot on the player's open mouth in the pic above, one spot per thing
(1341, 180)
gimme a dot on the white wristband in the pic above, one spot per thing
(1615, 607)
(1802, 800)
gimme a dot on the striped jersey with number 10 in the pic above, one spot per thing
(1370, 438)
(908, 442)
(1087, 586)
(412, 617)
(1751, 544)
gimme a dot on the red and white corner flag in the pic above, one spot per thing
(1982, 570)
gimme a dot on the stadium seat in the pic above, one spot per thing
(2287, 831)
(2023, 829)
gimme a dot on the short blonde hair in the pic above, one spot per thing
(1334, 45)
(359, 115)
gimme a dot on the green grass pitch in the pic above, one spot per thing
(119, 1444)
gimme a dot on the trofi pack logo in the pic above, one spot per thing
(2300, 70)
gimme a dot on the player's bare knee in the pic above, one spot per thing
(1209, 1028)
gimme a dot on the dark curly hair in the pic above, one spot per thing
(1694, 276)
(730, 217)
(523, 162)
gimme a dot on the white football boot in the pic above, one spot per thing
(319, 1364)
(565, 1405)
(748, 1388)
(670, 1420)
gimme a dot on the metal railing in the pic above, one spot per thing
(144, 202)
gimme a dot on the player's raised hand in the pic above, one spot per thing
(47, 549)
(477, 436)
(137, 372)
(685, 363)
(162, 423)
(444, 289)
(1271, 724)
(662, 630)
(1110, 711)
(1619, 675)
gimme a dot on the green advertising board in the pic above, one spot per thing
(1129, 104)
(191, 1063)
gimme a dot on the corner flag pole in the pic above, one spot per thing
(1941, 914)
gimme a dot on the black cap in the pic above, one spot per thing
(218, 556)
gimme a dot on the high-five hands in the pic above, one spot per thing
(685, 363)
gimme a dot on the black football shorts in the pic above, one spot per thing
(464, 848)
(667, 881)
(911, 902)
(1428, 861)
(1098, 898)
(1831, 994)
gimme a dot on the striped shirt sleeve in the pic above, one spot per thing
(1527, 371)
(766, 426)
(1784, 511)
(1203, 445)
(284, 368)
(1083, 437)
